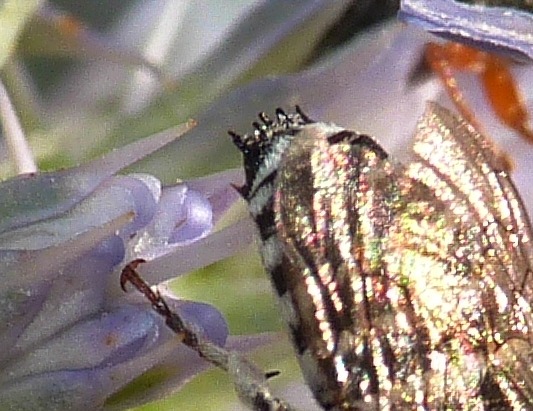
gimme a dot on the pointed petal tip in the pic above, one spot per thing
(122, 157)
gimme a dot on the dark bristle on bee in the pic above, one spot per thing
(404, 287)
(257, 144)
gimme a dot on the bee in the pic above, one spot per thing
(404, 287)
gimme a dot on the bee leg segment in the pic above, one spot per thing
(494, 72)
(249, 382)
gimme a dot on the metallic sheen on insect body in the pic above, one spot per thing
(405, 287)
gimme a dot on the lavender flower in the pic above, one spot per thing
(500, 29)
(71, 338)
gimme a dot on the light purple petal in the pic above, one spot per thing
(500, 29)
(197, 220)
(87, 389)
(116, 347)
(59, 391)
(268, 26)
(83, 389)
(77, 293)
(183, 217)
(215, 247)
(117, 196)
(118, 159)
(19, 269)
(17, 310)
(209, 321)
(108, 339)
(218, 189)
(30, 198)
(130, 191)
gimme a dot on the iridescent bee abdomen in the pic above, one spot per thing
(404, 287)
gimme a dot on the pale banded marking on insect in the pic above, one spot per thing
(409, 286)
